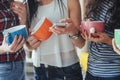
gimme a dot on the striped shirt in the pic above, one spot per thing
(7, 20)
(103, 61)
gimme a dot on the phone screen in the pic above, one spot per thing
(59, 24)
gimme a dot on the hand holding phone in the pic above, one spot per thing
(60, 24)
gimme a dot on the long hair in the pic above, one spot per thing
(33, 6)
(92, 5)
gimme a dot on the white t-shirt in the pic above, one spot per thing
(57, 50)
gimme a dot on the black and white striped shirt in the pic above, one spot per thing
(103, 61)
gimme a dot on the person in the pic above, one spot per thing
(116, 49)
(11, 56)
(56, 57)
(103, 62)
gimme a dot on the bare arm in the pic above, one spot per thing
(1, 50)
(74, 11)
(75, 15)
(73, 23)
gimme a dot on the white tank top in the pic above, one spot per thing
(57, 50)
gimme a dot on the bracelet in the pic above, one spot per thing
(75, 36)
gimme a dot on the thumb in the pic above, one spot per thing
(67, 20)
(5, 36)
(30, 30)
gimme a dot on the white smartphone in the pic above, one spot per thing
(20, 0)
(60, 24)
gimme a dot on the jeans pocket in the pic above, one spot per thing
(6, 68)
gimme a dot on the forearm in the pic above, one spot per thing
(1, 50)
(77, 39)
(80, 42)
(23, 21)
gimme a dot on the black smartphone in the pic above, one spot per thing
(60, 24)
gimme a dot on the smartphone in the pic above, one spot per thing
(20, 0)
(60, 24)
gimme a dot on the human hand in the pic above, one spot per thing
(116, 49)
(14, 47)
(33, 43)
(21, 10)
(70, 28)
(100, 37)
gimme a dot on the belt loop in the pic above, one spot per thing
(8, 57)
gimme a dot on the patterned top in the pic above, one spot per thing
(7, 20)
(103, 61)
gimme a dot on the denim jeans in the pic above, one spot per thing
(72, 72)
(12, 71)
(41, 73)
(91, 77)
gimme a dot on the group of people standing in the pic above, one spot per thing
(56, 57)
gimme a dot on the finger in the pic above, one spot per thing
(51, 28)
(33, 41)
(85, 34)
(36, 45)
(19, 39)
(31, 38)
(67, 20)
(118, 51)
(30, 30)
(114, 45)
(56, 31)
(14, 43)
(89, 35)
(19, 12)
(18, 4)
(20, 45)
(60, 29)
(4, 39)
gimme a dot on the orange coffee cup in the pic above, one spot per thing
(41, 30)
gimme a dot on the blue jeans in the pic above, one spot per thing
(91, 77)
(12, 71)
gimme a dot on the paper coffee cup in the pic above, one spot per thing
(92, 26)
(19, 0)
(41, 29)
(16, 30)
(117, 37)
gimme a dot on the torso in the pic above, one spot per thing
(102, 55)
(8, 19)
(57, 50)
